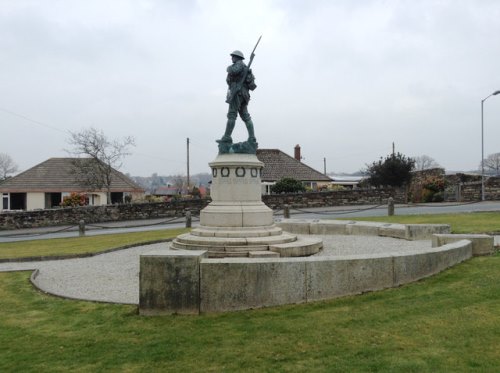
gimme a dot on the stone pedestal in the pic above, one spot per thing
(237, 222)
(236, 193)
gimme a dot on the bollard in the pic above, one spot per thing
(81, 228)
(390, 206)
(286, 211)
(188, 219)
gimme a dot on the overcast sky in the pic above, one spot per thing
(344, 79)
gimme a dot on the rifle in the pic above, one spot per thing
(239, 85)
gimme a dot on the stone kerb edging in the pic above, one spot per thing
(232, 284)
(346, 227)
(186, 282)
(482, 244)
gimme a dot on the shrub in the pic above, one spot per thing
(427, 195)
(435, 184)
(74, 200)
(196, 192)
(438, 197)
(288, 185)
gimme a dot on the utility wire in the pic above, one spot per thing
(34, 121)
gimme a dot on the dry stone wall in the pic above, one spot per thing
(466, 191)
(97, 214)
(335, 198)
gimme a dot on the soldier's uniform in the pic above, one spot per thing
(239, 102)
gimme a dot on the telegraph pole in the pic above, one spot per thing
(324, 166)
(187, 144)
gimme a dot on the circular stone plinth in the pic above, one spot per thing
(237, 223)
(240, 242)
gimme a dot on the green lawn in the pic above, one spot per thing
(475, 222)
(82, 245)
(447, 323)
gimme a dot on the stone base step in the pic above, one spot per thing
(283, 245)
(302, 247)
(205, 243)
(263, 254)
(237, 232)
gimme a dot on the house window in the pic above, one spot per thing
(53, 200)
(5, 201)
(116, 197)
(17, 201)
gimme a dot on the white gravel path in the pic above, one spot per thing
(114, 277)
(111, 277)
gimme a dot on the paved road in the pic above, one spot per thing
(309, 213)
(373, 210)
(91, 230)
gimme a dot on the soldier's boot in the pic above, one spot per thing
(251, 134)
(229, 130)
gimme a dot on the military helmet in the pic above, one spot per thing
(238, 54)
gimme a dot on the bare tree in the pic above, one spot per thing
(179, 182)
(424, 162)
(100, 157)
(7, 166)
(492, 164)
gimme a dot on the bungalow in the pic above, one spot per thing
(278, 165)
(45, 185)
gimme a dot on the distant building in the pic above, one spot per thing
(350, 182)
(45, 185)
(278, 165)
(167, 191)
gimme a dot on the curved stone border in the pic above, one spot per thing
(231, 285)
(364, 228)
(189, 282)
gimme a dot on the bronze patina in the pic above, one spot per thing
(240, 81)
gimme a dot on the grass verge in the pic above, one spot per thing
(82, 245)
(481, 222)
(447, 323)
(474, 222)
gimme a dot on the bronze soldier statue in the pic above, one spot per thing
(238, 97)
(240, 81)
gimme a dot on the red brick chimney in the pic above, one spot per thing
(297, 152)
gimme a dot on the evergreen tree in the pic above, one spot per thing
(395, 170)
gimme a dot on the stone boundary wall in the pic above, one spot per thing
(139, 211)
(189, 283)
(335, 198)
(470, 191)
(98, 214)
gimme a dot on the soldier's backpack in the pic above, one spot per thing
(250, 80)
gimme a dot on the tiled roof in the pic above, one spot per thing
(278, 165)
(54, 175)
(166, 191)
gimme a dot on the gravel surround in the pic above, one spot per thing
(114, 277)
